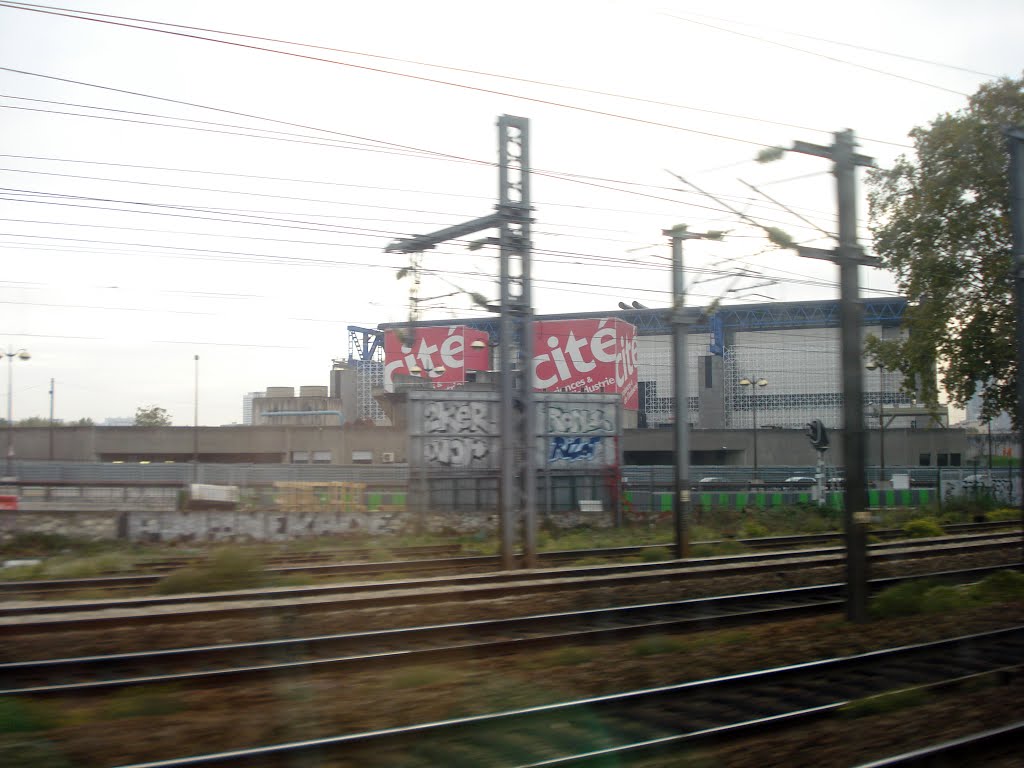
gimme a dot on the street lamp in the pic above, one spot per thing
(872, 366)
(21, 354)
(754, 384)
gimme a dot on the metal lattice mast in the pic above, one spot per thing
(518, 428)
(518, 456)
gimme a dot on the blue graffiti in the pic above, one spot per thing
(574, 448)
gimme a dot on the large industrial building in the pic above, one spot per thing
(791, 349)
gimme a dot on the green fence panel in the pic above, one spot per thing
(741, 499)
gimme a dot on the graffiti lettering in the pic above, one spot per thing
(574, 448)
(578, 421)
(457, 418)
(455, 451)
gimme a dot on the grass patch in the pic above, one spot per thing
(146, 701)
(927, 597)
(656, 645)
(420, 676)
(886, 703)
(19, 715)
(922, 527)
(655, 555)
(227, 569)
(1003, 515)
(567, 656)
(718, 549)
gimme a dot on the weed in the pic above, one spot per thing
(753, 530)
(1002, 587)
(567, 656)
(147, 701)
(945, 599)
(656, 645)
(228, 569)
(922, 527)
(655, 555)
(901, 600)
(1003, 515)
(25, 716)
(420, 676)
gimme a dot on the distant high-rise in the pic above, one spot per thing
(247, 405)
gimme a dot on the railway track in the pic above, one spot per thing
(633, 724)
(458, 563)
(425, 644)
(18, 617)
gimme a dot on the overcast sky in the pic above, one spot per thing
(138, 232)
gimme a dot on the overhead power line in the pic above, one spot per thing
(462, 70)
(68, 13)
(885, 72)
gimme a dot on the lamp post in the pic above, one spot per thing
(875, 365)
(754, 384)
(21, 354)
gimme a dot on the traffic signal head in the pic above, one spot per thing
(817, 434)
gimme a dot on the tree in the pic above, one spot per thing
(153, 416)
(941, 223)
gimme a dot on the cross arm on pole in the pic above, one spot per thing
(426, 242)
(854, 254)
(806, 148)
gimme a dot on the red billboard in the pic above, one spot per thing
(586, 356)
(442, 354)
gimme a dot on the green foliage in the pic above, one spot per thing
(922, 527)
(420, 676)
(153, 416)
(901, 600)
(1000, 515)
(753, 530)
(228, 569)
(1001, 587)
(941, 223)
(718, 549)
(656, 645)
(912, 598)
(145, 701)
(886, 703)
(25, 716)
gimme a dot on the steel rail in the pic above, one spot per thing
(965, 751)
(438, 642)
(466, 563)
(314, 562)
(653, 718)
(19, 617)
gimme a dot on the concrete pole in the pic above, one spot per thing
(1015, 146)
(681, 488)
(851, 311)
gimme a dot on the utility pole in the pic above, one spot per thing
(1015, 146)
(195, 425)
(517, 495)
(51, 420)
(681, 431)
(849, 256)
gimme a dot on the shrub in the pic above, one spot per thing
(227, 569)
(945, 599)
(901, 600)
(752, 530)
(922, 527)
(1002, 587)
(1003, 515)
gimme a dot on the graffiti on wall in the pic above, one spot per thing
(574, 448)
(581, 421)
(457, 434)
